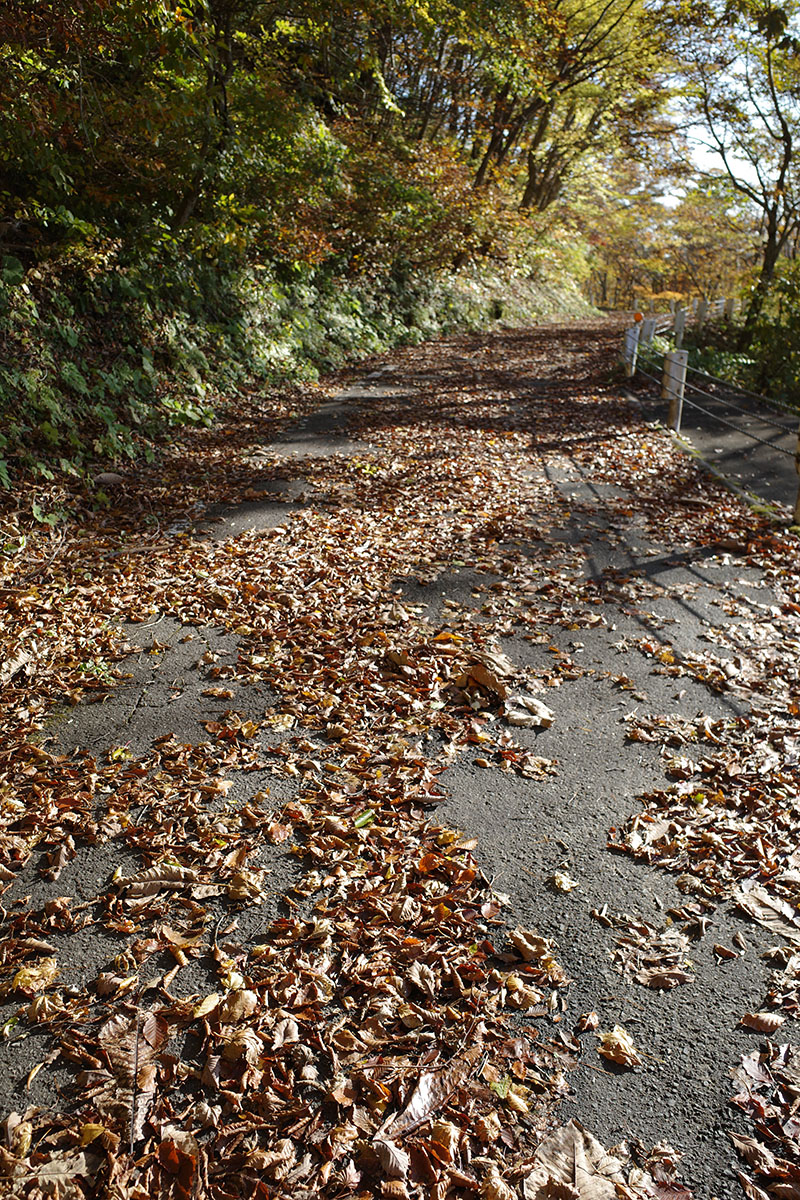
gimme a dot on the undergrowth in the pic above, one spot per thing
(718, 356)
(100, 360)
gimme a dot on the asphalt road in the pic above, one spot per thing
(527, 830)
(750, 444)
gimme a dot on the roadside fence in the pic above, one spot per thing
(678, 386)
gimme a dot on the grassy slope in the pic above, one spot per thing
(97, 370)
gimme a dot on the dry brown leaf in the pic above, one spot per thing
(243, 1042)
(763, 1022)
(498, 662)
(59, 1171)
(286, 1032)
(408, 909)
(516, 1102)
(752, 1190)
(529, 944)
(432, 1091)
(162, 878)
(618, 1047)
(33, 979)
(446, 1137)
(769, 910)
(524, 710)
(494, 1187)
(276, 1161)
(206, 1006)
(488, 1128)
(663, 978)
(573, 1158)
(238, 1006)
(130, 1042)
(421, 974)
(488, 679)
(759, 1157)
(393, 1158)
(22, 660)
(394, 1189)
(531, 947)
(18, 1134)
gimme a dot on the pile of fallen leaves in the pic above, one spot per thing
(386, 1033)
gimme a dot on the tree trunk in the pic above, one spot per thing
(499, 118)
(772, 252)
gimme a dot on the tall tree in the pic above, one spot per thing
(744, 75)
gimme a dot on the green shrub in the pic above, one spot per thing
(103, 358)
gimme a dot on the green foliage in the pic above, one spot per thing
(215, 192)
(103, 375)
(772, 362)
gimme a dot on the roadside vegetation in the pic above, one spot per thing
(253, 650)
(201, 199)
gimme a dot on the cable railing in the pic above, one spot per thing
(748, 412)
(674, 385)
(753, 437)
(768, 401)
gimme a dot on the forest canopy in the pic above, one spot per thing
(310, 132)
(239, 186)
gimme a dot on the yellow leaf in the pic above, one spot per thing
(90, 1132)
(206, 1006)
(36, 978)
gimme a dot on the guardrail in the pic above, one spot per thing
(675, 385)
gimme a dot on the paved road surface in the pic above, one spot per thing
(757, 455)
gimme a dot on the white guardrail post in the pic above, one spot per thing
(630, 349)
(648, 331)
(700, 316)
(673, 384)
(679, 326)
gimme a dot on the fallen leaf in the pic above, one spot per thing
(525, 710)
(153, 880)
(287, 1031)
(206, 1006)
(769, 910)
(61, 1169)
(574, 1158)
(618, 1047)
(133, 1041)
(529, 944)
(752, 1190)
(759, 1157)
(432, 1091)
(30, 980)
(238, 1005)
(393, 1158)
(763, 1022)
(494, 1187)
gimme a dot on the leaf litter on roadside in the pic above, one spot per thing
(656, 958)
(767, 1084)
(366, 999)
